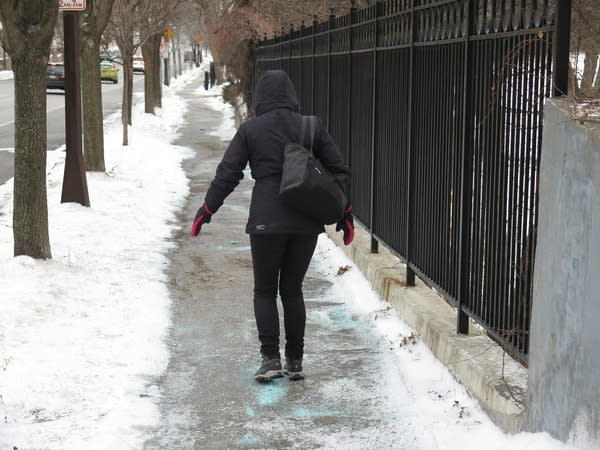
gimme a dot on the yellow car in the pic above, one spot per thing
(109, 72)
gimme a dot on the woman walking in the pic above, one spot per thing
(282, 239)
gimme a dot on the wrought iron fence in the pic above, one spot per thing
(437, 107)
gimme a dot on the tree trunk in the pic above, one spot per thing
(157, 80)
(126, 109)
(573, 87)
(219, 72)
(127, 49)
(590, 67)
(30, 216)
(180, 65)
(218, 66)
(92, 25)
(128, 72)
(93, 129)
(152, 86)
(174, 58)
(127, 99)
(596, 87)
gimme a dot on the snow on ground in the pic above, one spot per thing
(212, 97)
(446, 414)
(6, 75)
(81, 334)
(586, 110)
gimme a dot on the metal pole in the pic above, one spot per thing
(374, 242)
(352, 12)
(312, 82)
(410, 273)
(74, 187)
(331, 19)
(301, 65)
(462, 320)
(282, 37)
(290, 55)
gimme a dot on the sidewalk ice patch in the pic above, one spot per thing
(410, 379)
(213, 99)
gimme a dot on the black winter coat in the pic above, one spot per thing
(260, 141)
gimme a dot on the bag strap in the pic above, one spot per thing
(307, 122)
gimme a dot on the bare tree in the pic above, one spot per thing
(231, 24)
(155, 16)
(215, 15)
(28, 29)
(94, 21)
(585, 42)
(123, 24)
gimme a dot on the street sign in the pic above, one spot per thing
(71, 5)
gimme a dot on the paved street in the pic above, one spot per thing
(6, 166)
(111, 101)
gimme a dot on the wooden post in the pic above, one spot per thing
(74, 180)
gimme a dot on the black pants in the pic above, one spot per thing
(280, 261)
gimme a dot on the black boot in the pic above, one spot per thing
(269, 369)
(293, 369)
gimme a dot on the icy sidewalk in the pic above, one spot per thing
(371, 383)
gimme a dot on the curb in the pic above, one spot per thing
(497, 381)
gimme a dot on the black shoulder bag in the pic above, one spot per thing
(305, 184)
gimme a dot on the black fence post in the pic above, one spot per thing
(281, 39)
(374, 242)
(301, 64)
(291, 32)
(312, 75)
(329, 47)
(410, 273)
(464, 245)
(350, 93)
(253, 46)
(560, 48)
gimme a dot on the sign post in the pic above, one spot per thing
(74, 181)
(71, 5)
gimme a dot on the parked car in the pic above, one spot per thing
(138, 64)
(55, 76)
(109, 72)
